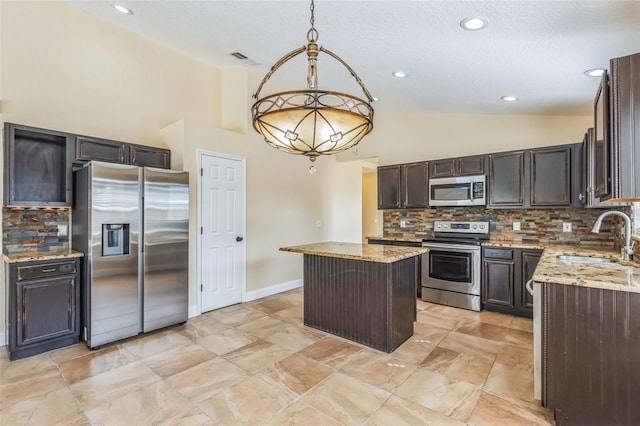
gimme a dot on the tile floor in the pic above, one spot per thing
(256, 363)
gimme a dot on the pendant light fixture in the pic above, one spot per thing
(310, 121)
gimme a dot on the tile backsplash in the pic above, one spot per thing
(538, 226)
(34, 230)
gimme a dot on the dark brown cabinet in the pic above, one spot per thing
(88, 148)
(389, 187)
(149, 156)
(602, 141)
(37, 167)
(451, 167)
(506, 179)
(541, 177)
(550, 183)
(624, 170)
(43, 306)
(403, 186)
(505, 273)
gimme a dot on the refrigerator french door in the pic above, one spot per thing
(132, 224)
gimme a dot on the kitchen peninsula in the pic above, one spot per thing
(364, 293)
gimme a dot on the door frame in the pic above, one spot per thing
(243, 276)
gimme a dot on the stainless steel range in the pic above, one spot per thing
(451, 273)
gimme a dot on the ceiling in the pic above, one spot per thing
(536, 50)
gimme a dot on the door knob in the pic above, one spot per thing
(238, 239)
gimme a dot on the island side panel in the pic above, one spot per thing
(592, 344)
(402, 312)
(355, 299)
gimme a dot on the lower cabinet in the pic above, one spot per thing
(505, 272)
(43, 306)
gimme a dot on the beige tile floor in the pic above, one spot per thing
(256, 363)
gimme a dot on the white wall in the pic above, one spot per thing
(403, 137)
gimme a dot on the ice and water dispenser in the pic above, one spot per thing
(115, 239)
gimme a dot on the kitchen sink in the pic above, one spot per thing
(586, 259)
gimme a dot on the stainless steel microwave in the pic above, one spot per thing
(458, 191)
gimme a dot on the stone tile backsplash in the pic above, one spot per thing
(34, 230)
(543, 226)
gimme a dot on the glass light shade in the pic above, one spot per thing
(312, 122)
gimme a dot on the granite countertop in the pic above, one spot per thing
(622, 276)
(45, 255)
(513, 244)
(366, 252)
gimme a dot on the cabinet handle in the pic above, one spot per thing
(580, 197)
(529, 287)
(49, 270)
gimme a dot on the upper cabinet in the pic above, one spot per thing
(149, 156)
(624, 146)
(541, 177)
(506, 179)
(403, 186)
(37, 167)
(550, 183)
(88, 148)
(452, 167)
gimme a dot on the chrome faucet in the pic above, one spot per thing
(627, 250)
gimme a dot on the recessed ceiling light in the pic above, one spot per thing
(509, 98)
(123, 9)
(596, 72)
(473, 23)
(399, 74)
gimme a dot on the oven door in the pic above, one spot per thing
(452, 267)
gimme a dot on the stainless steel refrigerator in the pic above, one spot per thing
(132, 223)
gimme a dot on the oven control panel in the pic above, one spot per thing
(462, 227)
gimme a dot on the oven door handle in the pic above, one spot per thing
(452, 247)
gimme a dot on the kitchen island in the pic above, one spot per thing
(364, 293)
(587, 336)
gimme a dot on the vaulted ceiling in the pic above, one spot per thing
(536, 50)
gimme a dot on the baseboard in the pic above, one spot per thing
(194, 311)
(271, 290)
(3, 338)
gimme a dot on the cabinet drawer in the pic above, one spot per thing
(498, 253)
(46, 270)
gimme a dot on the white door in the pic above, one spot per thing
(222, 219)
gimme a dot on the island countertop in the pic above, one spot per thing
(365, 252)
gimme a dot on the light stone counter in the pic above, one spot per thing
(45, 255)
(401, 239)
(513, 244)
(366, 252)
(621, 276)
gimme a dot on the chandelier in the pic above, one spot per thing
(310, 121)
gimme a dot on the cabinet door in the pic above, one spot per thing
(602, 153)
(389, 187)
(46, 309)
(149, 156)
(550, 183)
(529, 261)
(414, 185)
(498, 280)
(470, 166)
(37, 168)
(101, 150)
(442, 168)
(506, 179)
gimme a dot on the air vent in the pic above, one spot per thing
(239, 55)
